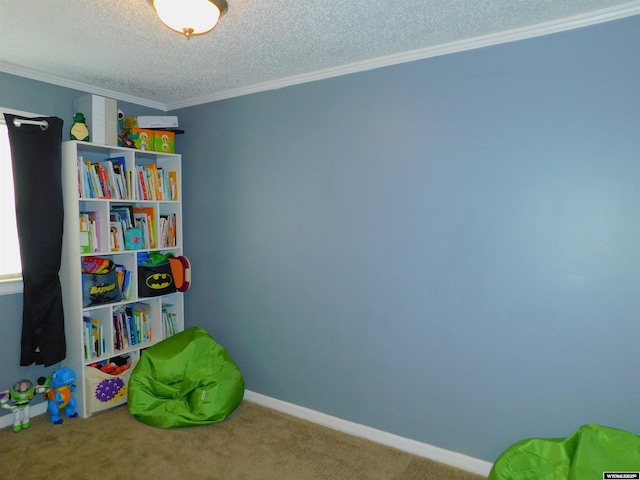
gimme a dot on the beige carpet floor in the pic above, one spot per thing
(254, 443)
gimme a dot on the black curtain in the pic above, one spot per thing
(36, 156)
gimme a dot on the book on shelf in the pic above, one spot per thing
(169, 323)
(95, 186)
(142, 315)
(126, 287)
(85, 241)
(124, 227)
(168, 230)
(136, 321)
(151, 175)
(125, 214)
(94, 340)
(131, 185)
(123, 278)
(121, 340)
(89, 232)
(168, 184)
(143, 190)
(173, 185)
(140, 221)
(160, 184)
(120, 273)
(86, 180)
(132, 325)
(82, 188)
(155, 183)
(108, 176)
(145, 216)
(117, 167)
(104, 179)
(116, 237)
(91, 183)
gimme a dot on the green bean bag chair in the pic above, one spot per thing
(587, 454)
(185, 380)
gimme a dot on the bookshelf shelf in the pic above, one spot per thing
(119, 203)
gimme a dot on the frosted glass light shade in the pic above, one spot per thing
(190, 17)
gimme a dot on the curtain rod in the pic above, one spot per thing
(19, 121)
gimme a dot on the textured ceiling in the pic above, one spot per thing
(121, 46)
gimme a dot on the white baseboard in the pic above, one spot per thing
(425, 450)
(34, 411)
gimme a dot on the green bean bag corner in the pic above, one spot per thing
(588, 453)
(185, 380)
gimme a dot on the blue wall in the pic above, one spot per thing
(32, 96)
(446, 249)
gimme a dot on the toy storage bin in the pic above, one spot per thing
(143, 138)
(98, 289)
(106, 391)
(164, 141)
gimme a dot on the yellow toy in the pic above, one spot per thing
(79, 129)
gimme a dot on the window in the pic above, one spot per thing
(10, 267)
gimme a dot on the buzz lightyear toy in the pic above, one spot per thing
(20, 395)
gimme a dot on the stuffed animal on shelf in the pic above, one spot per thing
(79, 129)
(125, 138)
(59, 387)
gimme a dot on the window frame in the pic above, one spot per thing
(13, 284)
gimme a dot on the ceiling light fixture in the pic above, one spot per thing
(190, 17)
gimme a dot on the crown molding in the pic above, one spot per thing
(569, 23)
(83, 87)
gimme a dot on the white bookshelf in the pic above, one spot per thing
(76, 200)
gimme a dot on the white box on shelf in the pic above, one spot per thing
(166, 121)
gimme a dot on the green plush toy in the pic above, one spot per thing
(79, 129)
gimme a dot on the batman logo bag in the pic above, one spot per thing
(154, 280)
(102, 287)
